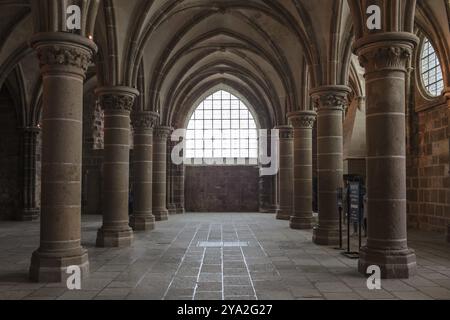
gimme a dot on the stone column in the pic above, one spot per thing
(30, 210)
(330, 101)
(64, 60)
(143, 218)
(267, 182)
(160, 137)
(286, 173)
(385, 58)
(177, 179)
(171, 205)
(265, 193)
(179, 188)
(303, 123)
(275, 199)
(117, 103)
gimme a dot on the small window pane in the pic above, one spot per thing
(235, 104)
(244, 124)
(208, 105)
(208, 114)
(208, 154)
(208, 124)
(226, 95)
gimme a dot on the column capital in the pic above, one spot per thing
(286, 132)
(31, 129)
(146, 120)
(117, 98)
(302, 119)
(333, 97)
(59, 50)
(162, 132)
(386, 51)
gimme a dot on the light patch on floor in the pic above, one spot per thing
(219, 244)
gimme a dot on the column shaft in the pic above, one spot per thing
(331, 101)
(64, 60)
(385, 63)
(143, 218)
(117, 103)
(179, 188)
(267, 182)
(160, 137)
(264, 194)
(171, 168)
(303, 122)
(286, 178)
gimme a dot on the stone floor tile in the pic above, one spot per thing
(332, 287)
(411, 295)
(78, 295)
(208, 296)
(374, 294)
(342, 296)
(436, 292)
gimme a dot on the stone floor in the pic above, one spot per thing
(219, 256)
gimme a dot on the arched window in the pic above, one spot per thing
(222, 127)
(431, 70)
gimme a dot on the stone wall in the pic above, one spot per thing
(355, 138)
(9, 159)
(221, 189)
(92, 155)
(428, 181)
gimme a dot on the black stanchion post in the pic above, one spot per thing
(340, 227)
(360, 232)
(340, 205)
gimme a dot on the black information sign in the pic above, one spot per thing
(355, 201)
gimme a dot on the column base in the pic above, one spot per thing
(273, 210)
(180, 210)
(172, 209)
(29, 214)
(142, 222)
(161, 215)
(394, 264)
(327, 237)
(49, 268)
(283, 215)
(299, 223)
(269, 210)
(114, 238)
(448, 233)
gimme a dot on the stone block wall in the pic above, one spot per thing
(428, 180)
(222, 189)
(10, 175)
(92, 155)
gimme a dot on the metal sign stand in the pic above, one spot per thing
(340, 201)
